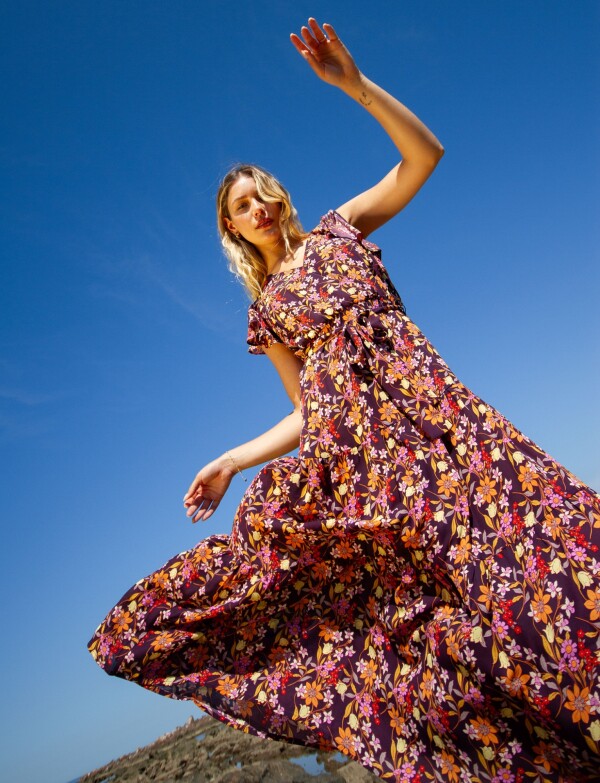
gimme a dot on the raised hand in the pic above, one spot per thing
(207, 489)
(326, 54)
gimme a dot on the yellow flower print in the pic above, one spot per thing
(593, 603)
(578, 700)
(434, 415)
(388, 412)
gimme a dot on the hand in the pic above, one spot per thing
(207, 489)
(326, 54)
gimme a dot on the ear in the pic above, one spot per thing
(230, 227)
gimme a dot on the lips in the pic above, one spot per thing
(265, 223)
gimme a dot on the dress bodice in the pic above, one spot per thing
(341, 273)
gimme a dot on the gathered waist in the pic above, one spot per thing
(360, 328)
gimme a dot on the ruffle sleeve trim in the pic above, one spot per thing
(260, 336)
(333, 223)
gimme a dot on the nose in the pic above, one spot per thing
(259, 208)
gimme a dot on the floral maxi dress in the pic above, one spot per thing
(419, 588)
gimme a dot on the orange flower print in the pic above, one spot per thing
(343, 549)
(397, 721)
(578, 700)
(483, 730)
(321, 570)
(161, 579)
(388, 412)
(328, 632)
(313, 694)
(122, 620)
(163, 641)
(426, 687)
(487, 489)
(547, 756)
(448, 768)
(446, 485)
(227, 687)
(539, 607)
(369, 672)
(516, 681)
(593, 604)
(462, 552)
(249, 630)
(528, 478)
(409, 588)
(434, 415)
(345, 741)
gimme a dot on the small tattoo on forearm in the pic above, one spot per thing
(365, 100)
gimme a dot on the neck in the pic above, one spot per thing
(277, 256)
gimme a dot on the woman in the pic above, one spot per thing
(418, 588)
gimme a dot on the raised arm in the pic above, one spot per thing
(419, 148)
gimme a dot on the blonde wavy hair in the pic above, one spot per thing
(245, 261)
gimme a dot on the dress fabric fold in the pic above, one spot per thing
(419, 588)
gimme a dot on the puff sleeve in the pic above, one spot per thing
(260, 336)
(335, 225)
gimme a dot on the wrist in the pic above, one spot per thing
(230, 465)
(354, 87)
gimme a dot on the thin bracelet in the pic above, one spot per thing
(236, 466)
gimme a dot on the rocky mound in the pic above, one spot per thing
(206, 751)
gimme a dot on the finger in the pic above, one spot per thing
(300, 45)
(193, 496)
(304, 51)
(205, 502)
(205, 511)
(311, 42)
(192, 487)
(316, 30)
(331, 33)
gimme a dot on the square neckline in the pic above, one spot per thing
(294, 268)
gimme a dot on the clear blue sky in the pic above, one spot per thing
(123, 359)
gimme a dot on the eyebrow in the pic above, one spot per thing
(239, 198)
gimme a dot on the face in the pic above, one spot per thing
(256, 220)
